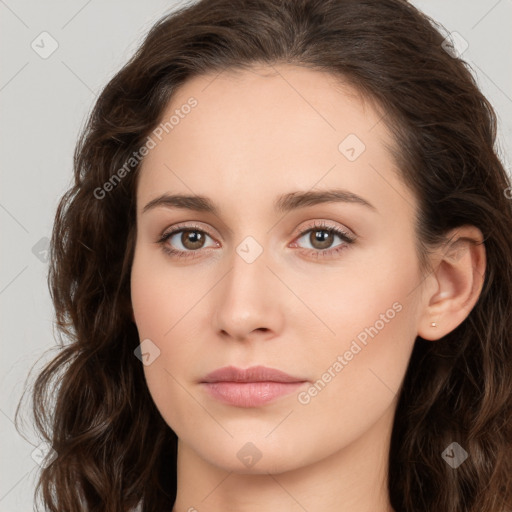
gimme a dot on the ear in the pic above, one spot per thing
(453, 287)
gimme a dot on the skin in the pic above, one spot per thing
(254, 135)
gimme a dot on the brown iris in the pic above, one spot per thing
(323, 237)
(192, 239)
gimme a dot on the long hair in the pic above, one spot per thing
(91, 402)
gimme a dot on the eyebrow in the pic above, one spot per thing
(284, 203)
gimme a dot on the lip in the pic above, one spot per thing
(250, 387)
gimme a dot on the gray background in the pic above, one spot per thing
(45, 101)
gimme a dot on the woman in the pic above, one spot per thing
(284, 269)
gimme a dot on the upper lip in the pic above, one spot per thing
(252, 374)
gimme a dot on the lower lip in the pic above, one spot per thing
(250, 394)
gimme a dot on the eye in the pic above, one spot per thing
(191, 239)
(321, 237)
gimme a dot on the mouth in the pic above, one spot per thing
(251, 387)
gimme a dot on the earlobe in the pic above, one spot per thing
(457, 280)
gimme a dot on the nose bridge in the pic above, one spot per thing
(246, 299)
(247, 280)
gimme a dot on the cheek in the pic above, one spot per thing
(161, 295)
(368, 297)
(368, 334)
(358, 372)
(163, 300)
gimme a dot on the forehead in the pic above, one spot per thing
(286, 99)
(267, 129)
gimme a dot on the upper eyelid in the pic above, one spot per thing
(325, 225)
(183, 227)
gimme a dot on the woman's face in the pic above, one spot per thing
(261, 281)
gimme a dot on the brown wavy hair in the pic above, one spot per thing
(91, 402)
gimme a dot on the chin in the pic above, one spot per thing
(253, 457)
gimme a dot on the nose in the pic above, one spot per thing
(249, 301)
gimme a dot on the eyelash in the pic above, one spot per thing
(347, 239)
